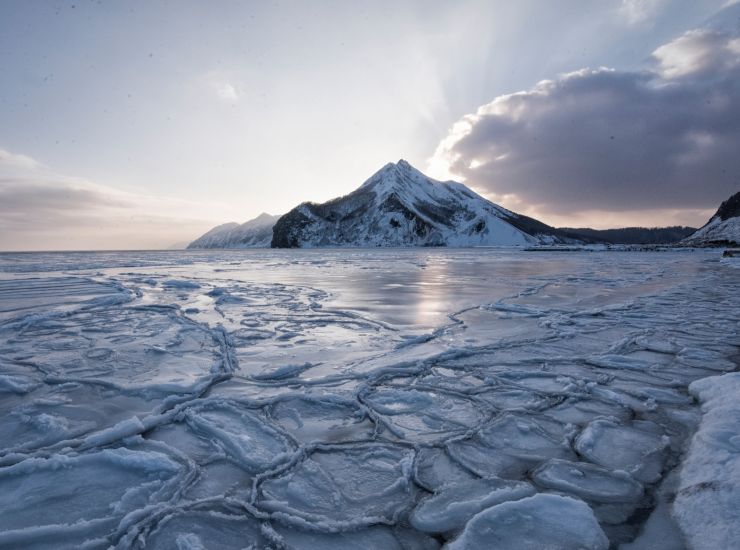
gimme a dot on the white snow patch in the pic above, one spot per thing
(452, 506)
(541, 521)
(707, 505)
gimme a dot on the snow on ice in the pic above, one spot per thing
(708, 498)
(382, 399)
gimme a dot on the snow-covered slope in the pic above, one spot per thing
(256, 233)
(400, 206)
(722, 229)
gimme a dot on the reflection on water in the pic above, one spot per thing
(433, 292)
(408, 287)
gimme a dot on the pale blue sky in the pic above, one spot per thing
(204, 112)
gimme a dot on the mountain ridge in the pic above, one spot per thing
(400, 206)
(255, 233)
(722, 229)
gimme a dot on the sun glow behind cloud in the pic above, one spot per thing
(602, 147)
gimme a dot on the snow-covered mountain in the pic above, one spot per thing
(400, 206)
(722, 229)
(256, 233)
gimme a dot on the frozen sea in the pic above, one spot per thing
(369, 399)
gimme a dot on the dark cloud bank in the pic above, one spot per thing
(665, 137)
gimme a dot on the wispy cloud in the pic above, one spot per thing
(40, 209)
(14, 161)
(226, 91)
(698, 53)
(635, 12)
(223, 86)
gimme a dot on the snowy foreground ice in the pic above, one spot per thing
(370, 399)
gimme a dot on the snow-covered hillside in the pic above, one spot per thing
(722, 229)
(400, 206)
(256, 233)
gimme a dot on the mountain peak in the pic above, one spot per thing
(729, 208)
(401, 166)
(396, 174)
(400, 206)
(409, 170)
(722, 229)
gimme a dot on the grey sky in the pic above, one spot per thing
(163, 118)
